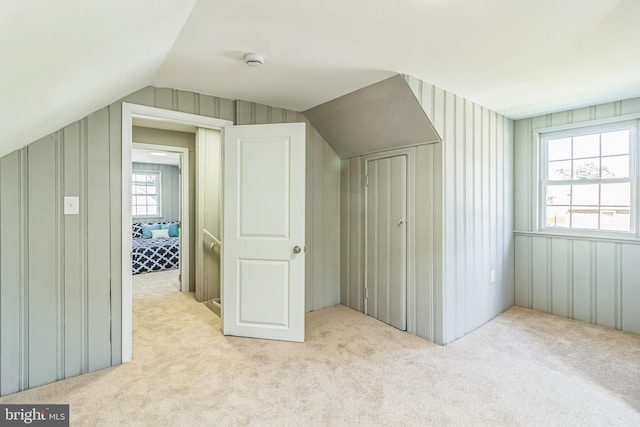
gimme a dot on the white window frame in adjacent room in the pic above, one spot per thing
(589, 128)
(158, 194)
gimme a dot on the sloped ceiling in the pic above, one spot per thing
(378, 117)
(62, 60)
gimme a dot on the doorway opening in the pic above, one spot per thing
(160, 200)
(155, 119)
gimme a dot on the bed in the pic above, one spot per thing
(149, 254)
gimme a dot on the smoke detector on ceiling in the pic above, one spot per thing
(253, 59)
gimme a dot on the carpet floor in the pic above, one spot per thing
(522, 368)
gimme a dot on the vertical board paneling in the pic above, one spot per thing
(560, 277)
(355, 256)
(630, 288)
(12, 280)
(473, 212)
(115, 220)
(316, 263)
(591, 279)
(522, 272)
(345, 226)
(540, 274)
(425, 249)
(606, 284)
(60, 288)
(332, 226)
(470, 221)
(98, 242)
(73, 255)
(458, 224)
(43, 211)
(186, 102)
(582, 281)
(522, 181)
(165, 98)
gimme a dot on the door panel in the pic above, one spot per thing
(264, 218)
(263, 281)
(386, 240)
(261, 187)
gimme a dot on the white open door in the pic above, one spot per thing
(263, 230)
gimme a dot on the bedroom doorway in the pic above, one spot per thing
(161, 237)
(251, 145)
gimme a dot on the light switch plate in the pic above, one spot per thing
(71, 205)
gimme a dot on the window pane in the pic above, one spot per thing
(615, 142)
(151, 179)
(618, 194)
(586, 169)
(585, 194)
(559, 170)
(152, 210)
(151, 201)
(615, 218)
(557, 216)
(586, 146)
(138, 189)
(584, 217)
(615, 167)
(558, 194)
(559, 149)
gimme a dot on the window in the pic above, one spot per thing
(145, 193)
(589, 178)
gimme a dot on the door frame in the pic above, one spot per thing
(129, 111)
(184, 206)
(410, 153)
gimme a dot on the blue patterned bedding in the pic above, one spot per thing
(153, 254)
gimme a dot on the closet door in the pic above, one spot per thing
(386, 240)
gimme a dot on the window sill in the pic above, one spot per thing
(574, 236)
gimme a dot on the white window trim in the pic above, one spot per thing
(631, 121)
(158, 192)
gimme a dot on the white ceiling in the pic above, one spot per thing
(64, 59)
(139, 155)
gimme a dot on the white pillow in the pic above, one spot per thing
(160, 234)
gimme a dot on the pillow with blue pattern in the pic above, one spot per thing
(172, 227)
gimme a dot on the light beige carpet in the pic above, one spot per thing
(522, 368)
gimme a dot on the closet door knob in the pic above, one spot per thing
(296, 249)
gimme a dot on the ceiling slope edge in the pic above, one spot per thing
(378, 117)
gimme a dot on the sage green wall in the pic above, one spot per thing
(464, 220)
(590, 279)
(476, 215)
(60, 275)
(186, 140)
